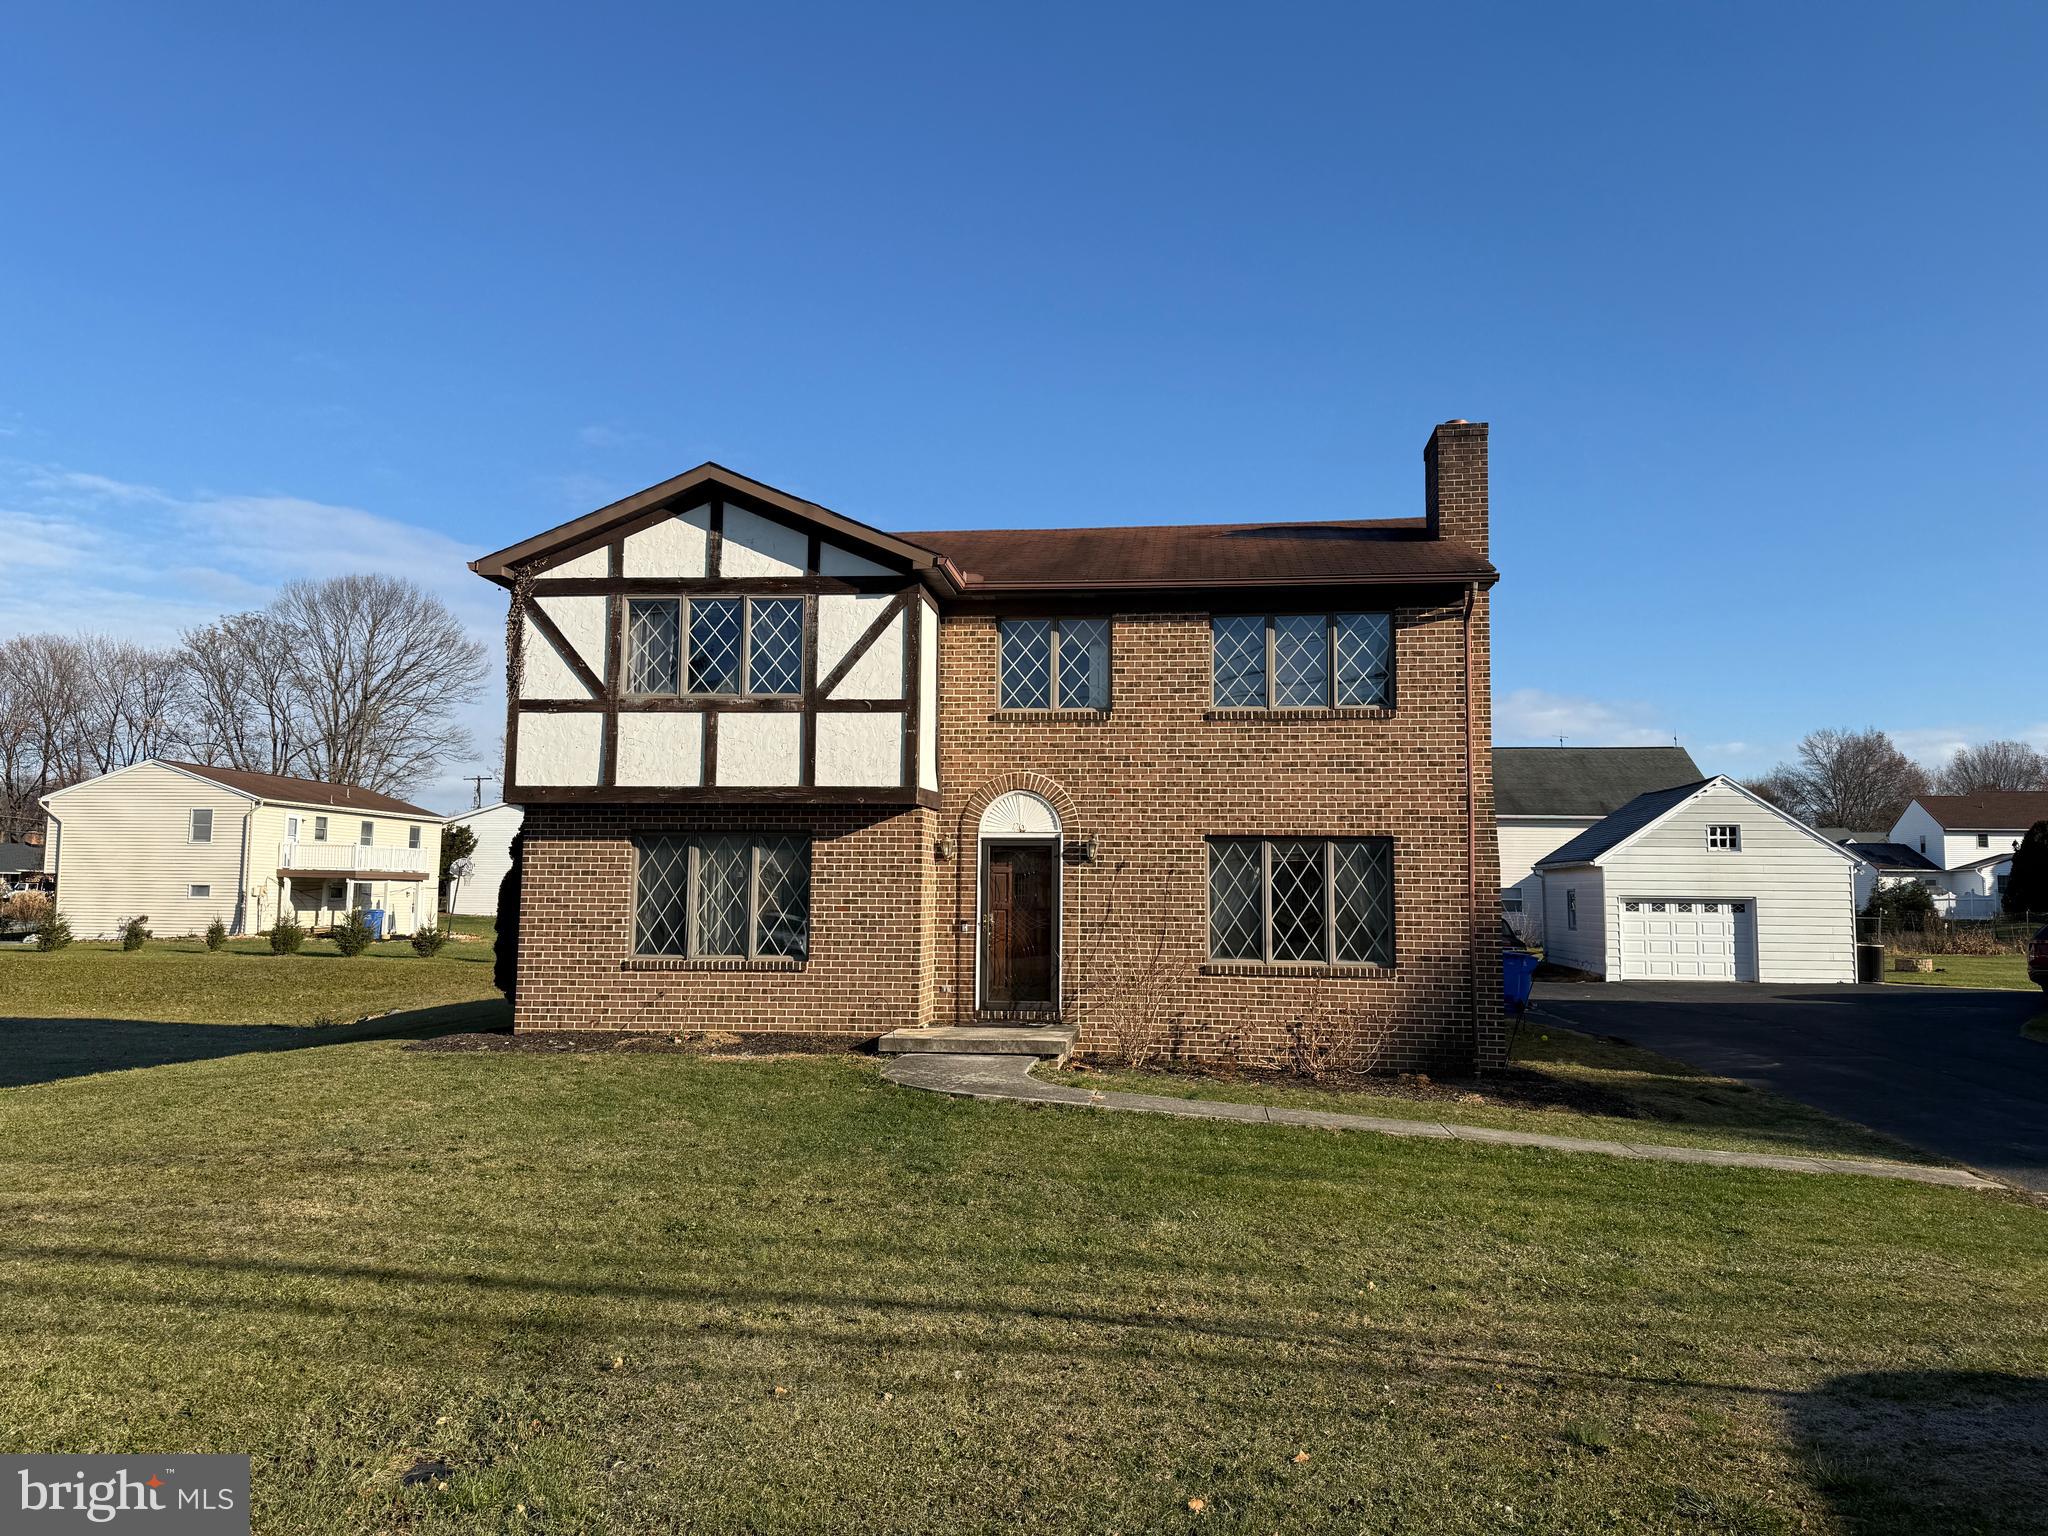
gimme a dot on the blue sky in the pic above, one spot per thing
(1752, 296)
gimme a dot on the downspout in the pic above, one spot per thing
(1472, 826)
(242, 885)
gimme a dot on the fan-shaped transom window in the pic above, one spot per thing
(1019, 813)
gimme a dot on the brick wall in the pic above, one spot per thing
(1162, 772)
(870, 925)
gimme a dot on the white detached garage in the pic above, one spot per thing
(1704, 882)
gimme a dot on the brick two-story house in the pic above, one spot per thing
(1226, 783)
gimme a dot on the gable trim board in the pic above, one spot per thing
(1795, 888)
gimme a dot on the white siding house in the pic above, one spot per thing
(184, 843)
(476, 894)
(1704, 882)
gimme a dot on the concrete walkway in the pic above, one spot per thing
(1009, 1077)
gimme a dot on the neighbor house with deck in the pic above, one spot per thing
(185, 843)
(1220, 787)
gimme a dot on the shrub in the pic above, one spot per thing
(286, 936)
(134, 934)
(352, 934)
(216, 935)
(53, 932)
(427, 942)
(2026, 889)
(25, 909)
(1907, 908)
(505, 963)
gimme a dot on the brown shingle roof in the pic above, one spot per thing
(276, 786)
(1203, 555)
(1991, 810)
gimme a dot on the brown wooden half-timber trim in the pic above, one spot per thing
(714, 543)
(568, 652)
(807, 749)
(728, 794)
(664, 704)
(615, 665)
(913, 653)
(707, 774)
(737, 586)
(862, 646)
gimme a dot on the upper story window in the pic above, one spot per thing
(201, 829)
(1302, 661)
(1053, 663)
(1302, 900)
(1727, 838)
(1983, 839)
(721, 646)
(368, 836)
(723, 898)
(412, 837)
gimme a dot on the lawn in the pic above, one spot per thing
(655, 1293)
(2005, 972)
(179, 980)
(1649, 1098)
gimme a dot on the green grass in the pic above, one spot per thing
(178, 980)
(1670, 1102)
(2006, 972)
(658, 1293)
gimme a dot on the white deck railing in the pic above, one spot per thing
(353, 857)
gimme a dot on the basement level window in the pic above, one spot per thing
(198, 892)
(1726, 838)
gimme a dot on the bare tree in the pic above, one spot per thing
(379, 665)
(126, 703)
(1855, 779)
(1993, 765)
(244, 709)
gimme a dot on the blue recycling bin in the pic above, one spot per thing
(375, 918)
(1518, 977)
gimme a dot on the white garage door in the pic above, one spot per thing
(1667, 939)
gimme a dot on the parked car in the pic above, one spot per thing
(2037, 960)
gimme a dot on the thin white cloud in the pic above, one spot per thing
(1535, 715)
(599, 435)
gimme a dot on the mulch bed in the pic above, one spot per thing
(1510, 1088)
(689, 1043)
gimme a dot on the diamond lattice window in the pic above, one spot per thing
(1025, 647)
(1365, 659)
(1084, 663)
(661, 906)
(1302, 900)
(652, 647)
(715, 625)
(1362, 887)
(723, 898)
(1235, 921)
(1301, 661)
(1297, 906)
(723, 870)
(1238, 660)
(775, 645)
(784, 881)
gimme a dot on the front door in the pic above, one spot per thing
(1019, 925)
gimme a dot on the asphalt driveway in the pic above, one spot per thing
(1945, 1068)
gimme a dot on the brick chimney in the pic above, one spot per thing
(1454, 483)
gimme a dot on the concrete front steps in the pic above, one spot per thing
(1051, 1043)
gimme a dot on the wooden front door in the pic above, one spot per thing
(1019, 927)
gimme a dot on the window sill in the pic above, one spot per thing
(1312, 970)
(1292, 716)
(677, 963)
(1053, 716)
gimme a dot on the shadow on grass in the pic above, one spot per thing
(47, 1050)
(1928, 1451)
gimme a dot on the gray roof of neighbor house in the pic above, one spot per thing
(1989, 810)
(1583, 781)
(17, 857)
(1892, 856)
(1626, 822)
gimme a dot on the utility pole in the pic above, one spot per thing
(476, 797)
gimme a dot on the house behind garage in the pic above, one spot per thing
(1702, 882)
(1546, 796)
